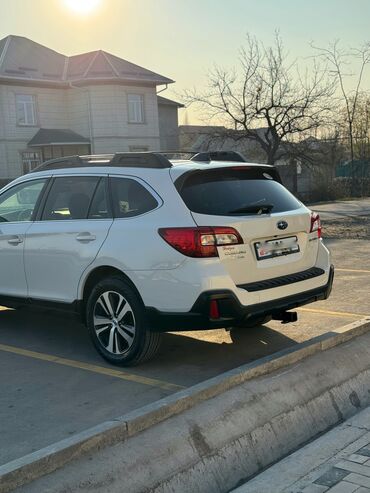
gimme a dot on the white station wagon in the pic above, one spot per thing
(139, 245)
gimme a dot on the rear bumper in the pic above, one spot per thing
(232, 312)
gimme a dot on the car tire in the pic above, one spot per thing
(117, 324)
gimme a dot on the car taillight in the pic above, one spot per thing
(201, 241)
(315, 224)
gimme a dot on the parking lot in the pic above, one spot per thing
(54, 384)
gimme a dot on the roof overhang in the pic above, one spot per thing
(169, 102)
(21, 81)
(57, 137)
(116, 80)
(43, 144)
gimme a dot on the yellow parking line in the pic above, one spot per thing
(353, 270)
(335, 314)
(89, 367)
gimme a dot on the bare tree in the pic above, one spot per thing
(361, 128)
(266, 91)
(326, 154)
(339, 60)
(361, 142)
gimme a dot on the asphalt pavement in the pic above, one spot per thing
(53, 383)
(343, 208)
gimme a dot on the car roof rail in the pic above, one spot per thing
(63, 162)
(140, 160)
(176, 154)
(204, 156)
(208, 156)
(120, 159)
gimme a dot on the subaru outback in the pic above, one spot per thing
(139, 245)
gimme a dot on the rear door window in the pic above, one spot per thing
(235, 191)
(70, 198)
(100, 207)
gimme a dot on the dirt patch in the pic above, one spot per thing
(347, 228)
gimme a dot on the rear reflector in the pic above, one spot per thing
(214, 312)
(315, 224)
(200, 241)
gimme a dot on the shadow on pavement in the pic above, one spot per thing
(184, 358)
(212, 352)
(42, 402)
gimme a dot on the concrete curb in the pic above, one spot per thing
(301, 468)
(48, 459)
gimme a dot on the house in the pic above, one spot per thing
(52, 105)
(168, 123)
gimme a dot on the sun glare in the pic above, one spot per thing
(82, 6)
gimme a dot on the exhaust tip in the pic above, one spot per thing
(286, 317)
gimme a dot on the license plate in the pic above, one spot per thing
(276, 248)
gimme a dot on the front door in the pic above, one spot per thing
(72, 228)
(17, 206)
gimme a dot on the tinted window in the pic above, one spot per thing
(223, 191)
(99, 208)
(130, 198)
(69, 198)
(18, 203)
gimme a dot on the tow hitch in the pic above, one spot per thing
(286, 317)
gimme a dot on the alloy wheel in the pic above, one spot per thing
(114, 322)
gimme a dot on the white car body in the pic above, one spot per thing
(51, 261)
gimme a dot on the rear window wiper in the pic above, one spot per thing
(256, 208)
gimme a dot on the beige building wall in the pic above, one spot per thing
(51, 105)
(168, 127)
(3, 161)
(99, 113)
(3, 144)
(110, 128)
(78, 111)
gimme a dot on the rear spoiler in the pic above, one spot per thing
(266, 169)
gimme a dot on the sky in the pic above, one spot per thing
(183, 39)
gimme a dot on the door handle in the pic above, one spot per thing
(85, 237)
(15, 240)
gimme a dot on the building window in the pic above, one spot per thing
(136, 108)
(30, 161)
(26, 109)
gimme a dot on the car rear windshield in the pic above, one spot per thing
(235, 191)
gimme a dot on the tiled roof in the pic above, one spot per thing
(48, 136)
(25, 60)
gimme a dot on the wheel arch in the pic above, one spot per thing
(99, 273)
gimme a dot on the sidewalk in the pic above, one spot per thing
(337, 462)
